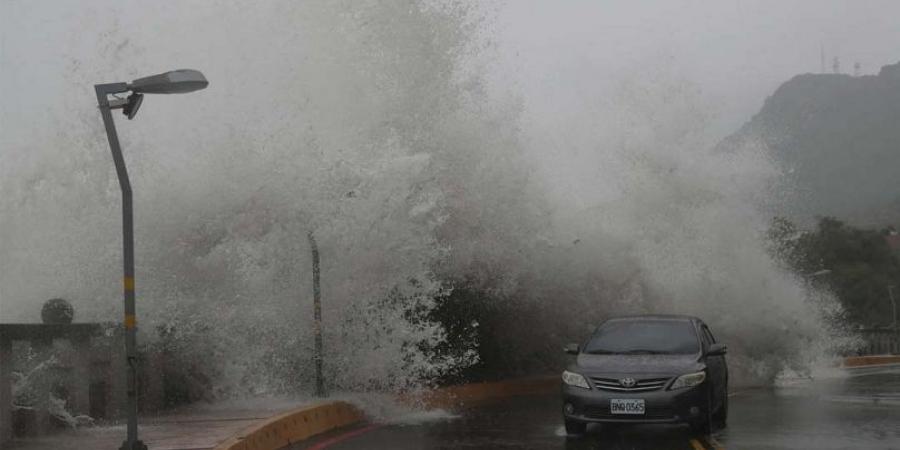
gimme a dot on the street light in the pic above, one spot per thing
(174, 82)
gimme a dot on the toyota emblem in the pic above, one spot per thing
(627, 382)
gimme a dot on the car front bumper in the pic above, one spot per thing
(662, 406)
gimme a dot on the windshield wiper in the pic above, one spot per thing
(643, 352)
(627, 352)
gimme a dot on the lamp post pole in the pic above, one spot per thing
(174, 82)
(103, 92)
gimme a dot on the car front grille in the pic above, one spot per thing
(641, 385)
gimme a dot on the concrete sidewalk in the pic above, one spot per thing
(195, 428)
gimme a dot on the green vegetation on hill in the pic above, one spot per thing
(856, 264)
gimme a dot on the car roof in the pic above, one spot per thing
(674, 317)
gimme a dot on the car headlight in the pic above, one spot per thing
(574, 379)
(688, 380)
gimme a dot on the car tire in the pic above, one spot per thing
(575, 427)
(720, 418)
(703, 425)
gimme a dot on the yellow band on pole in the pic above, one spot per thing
(130, 322)
(128, 282)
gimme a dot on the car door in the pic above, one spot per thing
(716, 368)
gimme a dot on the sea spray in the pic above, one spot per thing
(377, 126)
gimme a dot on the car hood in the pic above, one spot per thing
(663, 365)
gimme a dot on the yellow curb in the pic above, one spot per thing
(294, 426)
(468, 394)
(303, 423)
(861, 361)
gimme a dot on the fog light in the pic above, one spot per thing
(695, 410)
(569, 409)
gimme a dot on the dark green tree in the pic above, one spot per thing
(861, 263)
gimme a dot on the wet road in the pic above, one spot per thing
(852, 413)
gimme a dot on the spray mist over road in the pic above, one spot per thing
(388, 131)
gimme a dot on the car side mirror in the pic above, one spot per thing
(717, 349)
(572, 349)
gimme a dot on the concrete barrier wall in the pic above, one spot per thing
(469, 394)
(294, 426)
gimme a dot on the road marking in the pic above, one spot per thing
(343, 437)
(697, 445)
(716, 445)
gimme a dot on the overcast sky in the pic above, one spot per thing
(735, 51)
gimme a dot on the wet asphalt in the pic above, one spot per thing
(860, 412)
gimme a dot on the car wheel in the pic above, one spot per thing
(701, 427)
(703, 424)
(575, 427)
(720, 418)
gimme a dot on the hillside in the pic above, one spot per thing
(837, 139)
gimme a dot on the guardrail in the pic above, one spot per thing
(880, 341)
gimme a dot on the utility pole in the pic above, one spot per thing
(893, 306)
(317, 315)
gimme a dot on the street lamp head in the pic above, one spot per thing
(174, 82)
(132, 105)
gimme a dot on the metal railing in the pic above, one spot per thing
(880, 341)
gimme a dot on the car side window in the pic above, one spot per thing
(704, 336)
(707, 335)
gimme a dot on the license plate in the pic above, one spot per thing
(626, 406)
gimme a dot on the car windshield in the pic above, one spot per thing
(644, 337)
